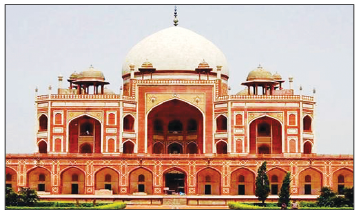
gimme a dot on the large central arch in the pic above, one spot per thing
(174, 121)
(265, 136)
(84, 135)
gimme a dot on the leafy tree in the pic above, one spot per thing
(349, 196)
(326, 197)
(284, 195)
(11, 198)
(27, 196)
(262, 183)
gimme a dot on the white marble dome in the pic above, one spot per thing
(175, 48)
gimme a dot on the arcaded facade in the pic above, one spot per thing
(175, 128)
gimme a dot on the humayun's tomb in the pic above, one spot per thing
(174, 128)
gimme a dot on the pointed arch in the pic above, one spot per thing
(342, 178)
(201, 123)
(314, 186)
(212, 187)
(33, 182)
(129, 123)
(244, 186)
(107, 178)
(128, 147)
(307, 123)
(68, 186)
(43, 121)
(42, 145)
(11, 178)
(143, 186)
(221, 123)
(73, 133)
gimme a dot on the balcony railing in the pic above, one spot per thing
(265, 97)
(85, 96)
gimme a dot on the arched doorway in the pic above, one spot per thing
(209, 182)
(43, 123)
(128, 147)
(265, 136)
(128, 123)
(310, 182)
(175, 181)
(221, 122)
(175, 148)
(158, 148)
(342, 178)
(39, 179)
(307, 148)
(11, 178)
(221, 147)
(174, 121)
(108, 179)
(42, 147)
(72, 181)
(141, 181)
(85, 135)
(242, 182)
(276, 177)
(191, 148)
(307, 124)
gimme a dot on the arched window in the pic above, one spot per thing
(158, 126)
(192, 125)
(75, 177)
(43, 147)
(241, 178)
(107, 178)
(239, 119)
(111, 119)
(340, 179)
(192, 148)
(141, 178)
(274, 178)
(128, 123)
(307, 123)
(221, 148)
(58, 119)
(307, 148)
(41, 177)
(175, 126)
(86, 129)
(264, 130)
(292, 119)
(308, 178)
(43, 123)
(8, 177)
(86, 148)
(175, 148)
(221, 123)
(208, 178)
(158, 148)
(128, 147)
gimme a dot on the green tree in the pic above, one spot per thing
(349, 196)
(326, 197)
(27, 196)
(11, 198)
(262, 183)
(284, 195)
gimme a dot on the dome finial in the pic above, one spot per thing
(175, 21)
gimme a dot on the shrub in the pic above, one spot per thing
(11, 198)
(326, 197)
(349, 196)
(114, 206)
(339, 201)
(27, 197)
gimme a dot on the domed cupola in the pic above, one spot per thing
(260, 74)
(263, 79)
(91, 75)
(175, 50)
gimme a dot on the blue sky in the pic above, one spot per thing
(314, 44)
